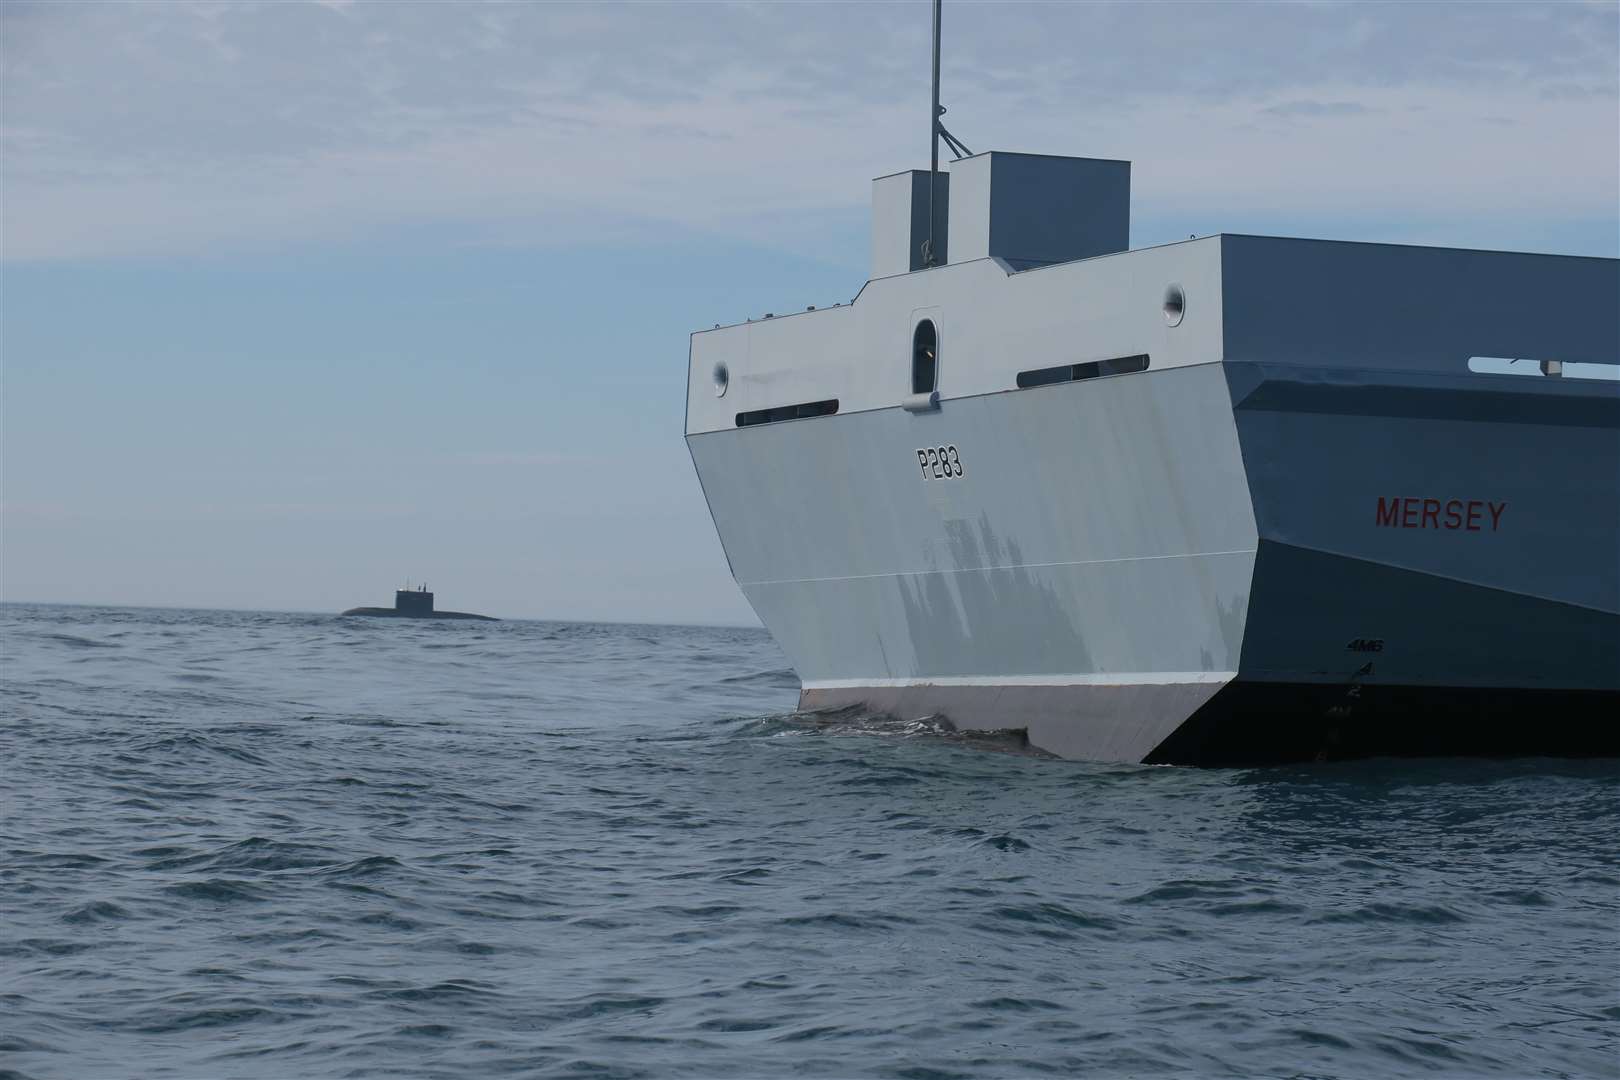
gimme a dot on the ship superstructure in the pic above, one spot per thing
(1235, 498)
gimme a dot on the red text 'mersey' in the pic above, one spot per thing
(1469, 515)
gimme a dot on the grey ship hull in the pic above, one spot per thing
(1186, 609)
(1266, 554)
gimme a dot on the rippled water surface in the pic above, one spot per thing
(272, 845)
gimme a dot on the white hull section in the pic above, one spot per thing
(1093, 718)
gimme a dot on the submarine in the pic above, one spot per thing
(415, 603)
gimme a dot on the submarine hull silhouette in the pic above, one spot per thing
(415, 603)
(391, 613)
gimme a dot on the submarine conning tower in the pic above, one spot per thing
(1027, 210)
(417, 601)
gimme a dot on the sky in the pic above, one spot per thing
(299, 301)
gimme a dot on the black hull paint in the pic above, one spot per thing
(1256, 723)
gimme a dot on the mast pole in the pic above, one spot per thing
(933, 144)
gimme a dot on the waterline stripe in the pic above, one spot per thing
(1106, 678)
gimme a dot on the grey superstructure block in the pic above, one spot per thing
(900, 221)
(1035, 209)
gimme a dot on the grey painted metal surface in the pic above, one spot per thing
(993, 324)
(1434, 630)
(1469, 524)
(1382, 307)
(1036, 209)
(1508, 487)
(1097, 528)
(1306, 488)
(900, 221)
(1099, 535)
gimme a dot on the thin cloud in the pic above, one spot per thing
(1317, 108)
(135, 129)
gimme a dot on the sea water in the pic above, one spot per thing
(283, 845)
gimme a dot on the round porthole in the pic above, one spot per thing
(1175, 305)
(722, 379)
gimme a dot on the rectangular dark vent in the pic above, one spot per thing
(1092, 369)
(787, 412)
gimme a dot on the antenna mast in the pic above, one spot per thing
(933, 146)
(936, 131)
